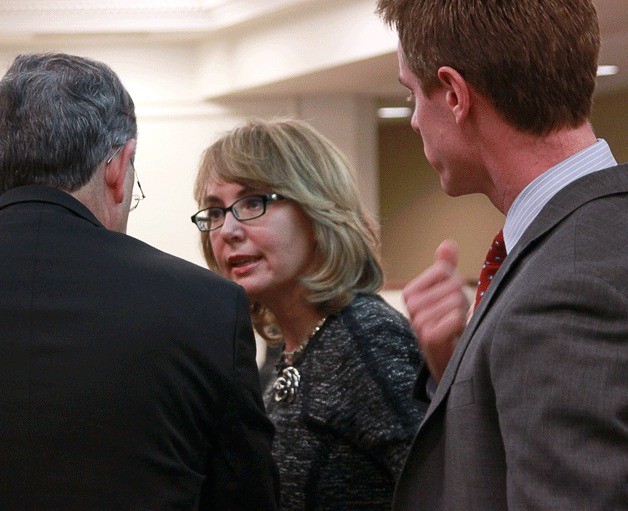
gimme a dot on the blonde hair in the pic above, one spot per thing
(291, 158)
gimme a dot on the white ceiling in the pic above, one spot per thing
(35, 21)
(372, 77)
(32, 20)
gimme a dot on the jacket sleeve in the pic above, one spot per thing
(560, 370)
(367, 396)
(243, 475)
(387, 426)
(424, 387)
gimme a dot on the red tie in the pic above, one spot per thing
(494, 259)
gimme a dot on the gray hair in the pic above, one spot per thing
(60, 116)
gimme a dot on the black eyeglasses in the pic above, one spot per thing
(136, 197)
(246, 208)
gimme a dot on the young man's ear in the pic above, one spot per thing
(458, 95)
(116, 169)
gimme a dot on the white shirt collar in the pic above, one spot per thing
(538, 193)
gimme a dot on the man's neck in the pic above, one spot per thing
(97, 199)
(515, 159)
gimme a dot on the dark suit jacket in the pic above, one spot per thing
(127, 376)
(532, 411)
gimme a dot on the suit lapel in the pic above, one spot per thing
(588, 188)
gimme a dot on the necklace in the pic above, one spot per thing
(288, 376)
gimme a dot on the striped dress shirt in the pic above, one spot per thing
(538, 193)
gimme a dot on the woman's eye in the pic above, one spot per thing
(215, 213)
(252, 203)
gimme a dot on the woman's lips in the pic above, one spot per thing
(240, 265)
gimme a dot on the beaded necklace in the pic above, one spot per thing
(288, 376)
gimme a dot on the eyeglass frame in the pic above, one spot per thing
(135, 198)
(266, 198)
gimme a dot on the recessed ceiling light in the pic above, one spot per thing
(607, 70)
(394, 112)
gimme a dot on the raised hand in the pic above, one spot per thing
(438, 308)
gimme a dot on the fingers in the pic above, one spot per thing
(439, 272)
(436, 283)
(437, 306)
(438, 312)
(441, 326)
(447, 251)
(444, 267)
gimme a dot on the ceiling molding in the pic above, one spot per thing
(30, 25)
(28, 19)
(137, 6)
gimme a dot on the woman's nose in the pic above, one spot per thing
(231, 228)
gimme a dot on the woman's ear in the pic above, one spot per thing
(115, 172)
(458, 94)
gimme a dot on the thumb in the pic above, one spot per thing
(447, 251)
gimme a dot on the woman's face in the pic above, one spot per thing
(266, 255)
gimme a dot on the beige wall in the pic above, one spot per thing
(609, 117)
(181, 89)
(416, 215)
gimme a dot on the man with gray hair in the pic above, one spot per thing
(128, 377)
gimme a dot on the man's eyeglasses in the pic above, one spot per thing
(246, 208)
(136, 197)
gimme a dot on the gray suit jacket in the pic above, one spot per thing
(532, 411)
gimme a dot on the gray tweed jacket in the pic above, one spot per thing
(341, 443)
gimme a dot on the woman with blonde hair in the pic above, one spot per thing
(282, 217)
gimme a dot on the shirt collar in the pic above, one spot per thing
(538, 193)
